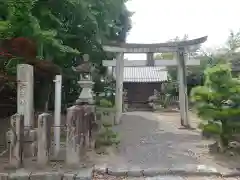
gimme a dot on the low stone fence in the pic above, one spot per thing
(26, 142)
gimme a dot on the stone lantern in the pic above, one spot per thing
(85, 69)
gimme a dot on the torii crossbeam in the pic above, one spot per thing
(180, 48)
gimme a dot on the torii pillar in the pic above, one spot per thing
(182, 87)
(119, 86)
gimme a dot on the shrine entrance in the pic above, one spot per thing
(181, 60)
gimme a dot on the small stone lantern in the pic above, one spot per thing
(85, 69)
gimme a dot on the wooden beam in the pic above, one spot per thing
(142, 63)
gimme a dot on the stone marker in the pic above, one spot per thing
(44, 139)
(16, 141)
(72, 149)
(25, 93)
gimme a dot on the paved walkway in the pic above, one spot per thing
(150, 140)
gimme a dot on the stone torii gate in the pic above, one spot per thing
(181, 49)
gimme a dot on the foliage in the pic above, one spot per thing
(218, 100)
(59, 32)
(171, 87)
(105, 103)
(106, 136)
(166, 100)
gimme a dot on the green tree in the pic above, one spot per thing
(217, 101)
(62, 31)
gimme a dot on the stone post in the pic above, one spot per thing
(93, 128)
(72, 148)
(183, 97)
(43, 138)
(125, 100)
(57, 114)
(25, 93)
(16, 141)
(119, 86)
(87, 126)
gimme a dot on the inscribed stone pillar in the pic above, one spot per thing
(183, 97)
(72, 148)
(119, 86)
(43, 138)
(16, 143)
(25, 93)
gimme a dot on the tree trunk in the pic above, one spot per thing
(224, 137)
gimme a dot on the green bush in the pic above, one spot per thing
(166, 100)
(218, 101)
(107, 124)
(105, 103)
(106, 136)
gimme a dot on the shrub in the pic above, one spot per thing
(218, 101)
(105, 103)
(106, 136)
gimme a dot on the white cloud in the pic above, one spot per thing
(160, 20)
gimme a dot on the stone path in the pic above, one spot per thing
(149, 140)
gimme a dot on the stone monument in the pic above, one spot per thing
(25, 93)
(72, 147)
(44, 139)
(85, 69)
(16, 136)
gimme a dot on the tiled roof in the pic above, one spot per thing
(144, 74)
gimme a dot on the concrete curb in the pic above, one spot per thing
(151, 172)
(231, 174)
(87, 174)
(84, 174)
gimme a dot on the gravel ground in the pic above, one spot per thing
(150, 140)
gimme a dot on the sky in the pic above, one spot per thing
(156, 21)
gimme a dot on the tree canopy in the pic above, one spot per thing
(53, 34)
